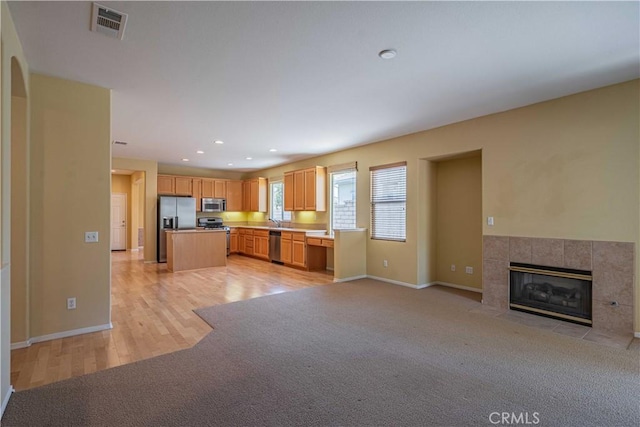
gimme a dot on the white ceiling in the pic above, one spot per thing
(305, 78)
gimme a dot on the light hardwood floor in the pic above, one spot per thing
(152, 314)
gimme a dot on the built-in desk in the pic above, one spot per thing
(317, 245)
(193, 249)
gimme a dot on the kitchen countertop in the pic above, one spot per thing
(197, 230)
(295, 230)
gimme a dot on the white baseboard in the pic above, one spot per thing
(348, 279)
(464, 288)
(636, 334)
(71, 333)
(397, 282)
(134, 250)
(20, 344)
(330, 268)
(5, 400)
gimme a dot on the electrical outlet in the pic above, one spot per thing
(489, 220)
(453, 267)
(71, 303)
(91, 237)
(468, 270)
(385, 263)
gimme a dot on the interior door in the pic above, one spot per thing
(118, 222)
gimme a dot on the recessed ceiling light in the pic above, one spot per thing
(387, 53)
(185, 160)
(229, 164)
(249, 158)
(273, 150)
(200, 152)
(217, 141)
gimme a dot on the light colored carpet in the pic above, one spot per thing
(358, 353)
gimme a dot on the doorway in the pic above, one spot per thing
(118, 222)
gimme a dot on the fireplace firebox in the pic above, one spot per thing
(549, 291)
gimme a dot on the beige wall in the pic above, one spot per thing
(122, 184)
(137, 207)
(9, 76)
(19, 220)
(459, 221)
(70, 194)
(150, 169)
(164, 169)
(565, 168)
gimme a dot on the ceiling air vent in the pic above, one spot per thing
(108, 21)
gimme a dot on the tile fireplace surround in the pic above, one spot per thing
(611, 263)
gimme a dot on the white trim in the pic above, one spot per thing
(396, 282)
(5, 401)
(636, 334)
(329, 268)
(134, 249)
(464, 288)
(71, 333)
(348, 279)
(20, 344)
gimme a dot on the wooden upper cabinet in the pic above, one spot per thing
(214, 188)
(256, 200)
(234, 196)
(305, 189)
(196, 188)
(166, 184)
(298, 190)
(220, 188)
(246, 195)
(207, 188)
(288, 191)
(315, 184)
(183, 186)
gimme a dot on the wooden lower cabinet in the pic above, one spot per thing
(298, 250)
(285, 249)
(242, 248)
(248, 242)
(233, 241)
(261, 244)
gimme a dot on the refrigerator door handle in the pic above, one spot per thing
(175, 222)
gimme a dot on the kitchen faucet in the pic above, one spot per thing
(278, 223)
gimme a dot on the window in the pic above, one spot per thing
(276, 208)
(342, 206)
(389, 202)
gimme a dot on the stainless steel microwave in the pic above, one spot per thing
(214, 205)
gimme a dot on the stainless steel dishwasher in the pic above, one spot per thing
(274, 246)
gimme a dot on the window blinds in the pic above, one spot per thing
(389, 202)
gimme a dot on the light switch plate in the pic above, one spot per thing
(490, 220)
(91, 237)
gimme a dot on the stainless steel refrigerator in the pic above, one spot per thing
(174, 213)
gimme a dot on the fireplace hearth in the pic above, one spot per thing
(551, 291)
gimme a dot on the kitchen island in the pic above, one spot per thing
(193, 249)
